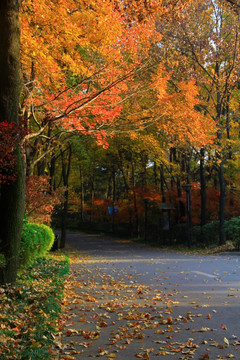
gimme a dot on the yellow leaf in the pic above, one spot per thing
(226, 341)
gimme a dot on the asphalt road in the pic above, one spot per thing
(127, 301)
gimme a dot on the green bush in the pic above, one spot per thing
(36, 240)
(210, 232)
(232, 230)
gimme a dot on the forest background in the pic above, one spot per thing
(121, 104)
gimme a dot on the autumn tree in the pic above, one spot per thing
(81, 61)
(74, 83)
(77, 82)
(205, 44)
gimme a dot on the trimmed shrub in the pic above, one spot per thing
(210, 232)
(36, 240)
(232, 230)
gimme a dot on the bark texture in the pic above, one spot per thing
(12, 195)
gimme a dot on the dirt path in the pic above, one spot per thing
(127, 301)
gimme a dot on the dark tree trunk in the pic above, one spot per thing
(203, 188)
(162, 182)
(81, 193)
(113, 196)
(52, 173)
(221, 204)
(172, 161)
(66, 164)
(135, 201)
(221, 179)
(109, 186)
(155, 168)
(11, 195)
(203, 191)
(144, 161)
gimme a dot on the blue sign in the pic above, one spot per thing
(112, 210)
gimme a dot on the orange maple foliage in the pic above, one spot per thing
(182, 123)
(40, 202)
(54, 32)
(78, 55)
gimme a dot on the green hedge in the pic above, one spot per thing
(36, 240)
(232, 230)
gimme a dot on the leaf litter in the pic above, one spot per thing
(113, 314)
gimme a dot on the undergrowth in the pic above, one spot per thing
(29, 311)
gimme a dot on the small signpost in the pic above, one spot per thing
(112, 210)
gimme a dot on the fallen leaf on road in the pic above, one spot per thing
(226, 341)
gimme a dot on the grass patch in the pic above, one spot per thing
(30, 310)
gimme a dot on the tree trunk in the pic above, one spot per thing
(135, 200)
(221, 179)
(66, 164)
(82, 193)
(203, 193)
(203, 188)
(162, 182)
(52, 173)
(113, 196)
(12, 195)
(222, 204)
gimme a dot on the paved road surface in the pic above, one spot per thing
(130, 301)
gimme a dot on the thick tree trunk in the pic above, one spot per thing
(11, 195)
